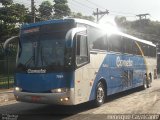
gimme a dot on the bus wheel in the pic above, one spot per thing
(100, 94)
(149, 85)
(144, 83)
(149, 80)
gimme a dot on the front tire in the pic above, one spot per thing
(148, 83)
(149, 80)
(100, 94)
(144, 83)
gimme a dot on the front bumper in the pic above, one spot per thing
(46, 98)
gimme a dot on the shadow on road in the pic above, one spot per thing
(30, 111)
(122, 94)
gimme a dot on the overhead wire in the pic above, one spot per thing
(29, 5)
(127, 14)
(82, 5)
(77, 6)
(62, 11)
(97, 5)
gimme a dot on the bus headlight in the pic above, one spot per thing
(60, 90)
(18, 89)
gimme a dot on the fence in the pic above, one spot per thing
(7, 67)
(7, 73)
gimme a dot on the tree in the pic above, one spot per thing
(6, 2)
(61, 9)
(120, 21)
(45, 10)
(11, 16)
(79, 15)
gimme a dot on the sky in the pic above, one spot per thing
(126, 8)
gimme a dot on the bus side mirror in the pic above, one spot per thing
(6, 43)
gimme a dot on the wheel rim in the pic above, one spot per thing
(100, 94)
(145, 85)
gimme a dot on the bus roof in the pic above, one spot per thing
(117, 32)
(76, 20)
(138, 39)
(46, 22)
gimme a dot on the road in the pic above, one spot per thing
(135, 101)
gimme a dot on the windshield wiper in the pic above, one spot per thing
(30, 60)
(43, 60)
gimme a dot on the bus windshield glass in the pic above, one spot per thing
(42, 51)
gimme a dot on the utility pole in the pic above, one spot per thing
(102, 13)
(142, 16)
(33, 11)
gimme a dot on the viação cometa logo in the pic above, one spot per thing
(123, 63)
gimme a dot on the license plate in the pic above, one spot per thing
(35, 98)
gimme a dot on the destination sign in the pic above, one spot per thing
(30, 30)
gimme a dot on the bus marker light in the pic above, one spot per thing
(59, 90)
(91, 83)
(18, 89)
(66, 99)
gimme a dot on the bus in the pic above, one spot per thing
(72, 61)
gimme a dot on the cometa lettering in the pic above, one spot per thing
(36, 71)
(125, 63)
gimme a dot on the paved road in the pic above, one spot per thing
(135, 101)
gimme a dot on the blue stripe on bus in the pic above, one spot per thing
(112, 74)
(44, 82)
(46, 22)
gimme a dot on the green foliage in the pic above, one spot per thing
(144, 29)
(120, 21)
(45, 10)
(11, 16)
(79, 15)
(60, 1)
(1, 51)
(6, 2)
(61, 9)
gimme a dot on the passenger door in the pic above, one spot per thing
(81, 72)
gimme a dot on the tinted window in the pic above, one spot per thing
(128, 44)
(115, 43)
(81, 50)
(144, 48)
(100, 43)
(153, 51)
(56, 27)
(42, 50)
(136, 50)
(97, 39)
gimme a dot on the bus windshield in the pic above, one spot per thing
(42, 50)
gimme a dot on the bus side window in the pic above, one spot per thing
(153, 51)
(136, 50)
(115, 43)
(100, 43)
(82, 55)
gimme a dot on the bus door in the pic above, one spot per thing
(81, 72)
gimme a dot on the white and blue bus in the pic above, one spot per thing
(72, 61)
